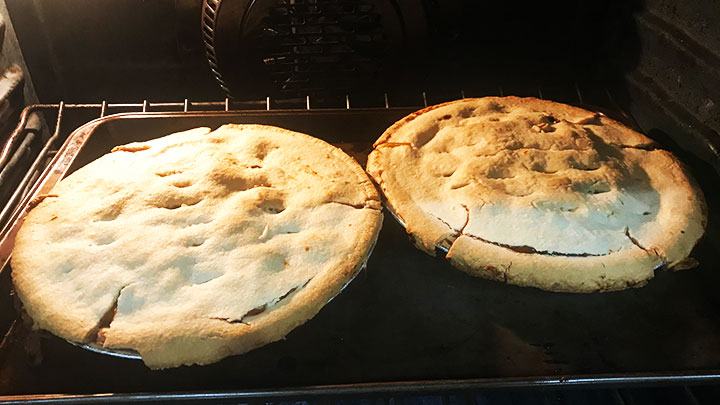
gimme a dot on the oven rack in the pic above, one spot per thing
(29, 149)
(31, 146)
(35, 148)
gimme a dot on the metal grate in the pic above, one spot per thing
(313, 45)
(297, 47)
(209, 18)
(16, 157)
(27, 153)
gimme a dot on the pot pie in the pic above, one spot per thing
(536, 193)
(197, 245)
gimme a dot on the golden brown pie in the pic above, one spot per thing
(197, 245)
(536, 193)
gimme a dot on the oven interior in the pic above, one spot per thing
(653, 65)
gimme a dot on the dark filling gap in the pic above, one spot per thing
(259, 310)
(367, 205)
(519, 249)
(532, 250)
(95, 334)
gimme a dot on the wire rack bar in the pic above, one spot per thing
(21, 137)
(39, 160)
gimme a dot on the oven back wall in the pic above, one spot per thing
(84, 50)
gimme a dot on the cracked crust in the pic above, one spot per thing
(537, 193)
(198, 245)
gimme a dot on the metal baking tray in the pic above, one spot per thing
(409, 320)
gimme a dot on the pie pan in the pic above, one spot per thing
(79, 147)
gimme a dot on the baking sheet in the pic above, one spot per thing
(409, 316)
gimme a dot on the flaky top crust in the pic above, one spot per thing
(197, 245)
(538, 193)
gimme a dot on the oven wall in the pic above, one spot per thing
(16, 85)
(86, 50)
(680, 45)
(674, 89)
(12, 55)
(661, 55)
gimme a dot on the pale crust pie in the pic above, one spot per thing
(197, 245)
(536, 193)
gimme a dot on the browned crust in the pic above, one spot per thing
(203, 340)
(129, 148)
(208, 340)
(616, 271)
(684, 216)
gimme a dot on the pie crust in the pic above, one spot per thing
(536, 193)
(197, 245)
